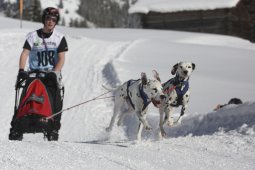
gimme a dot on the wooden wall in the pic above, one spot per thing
(238, 21)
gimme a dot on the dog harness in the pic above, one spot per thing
(180, 86)
(143, 95)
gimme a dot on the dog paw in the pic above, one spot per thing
(163, 134)
(119, 123)
(170, 122)
(178, 122)
(148, 128)
(108, 129)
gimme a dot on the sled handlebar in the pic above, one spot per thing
(30, 74)
(36, 72)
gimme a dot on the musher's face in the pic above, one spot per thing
(50, 23)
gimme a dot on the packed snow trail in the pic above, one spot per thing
(84, 70)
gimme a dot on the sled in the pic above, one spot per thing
(40, 98)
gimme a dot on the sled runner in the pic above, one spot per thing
(40, 98)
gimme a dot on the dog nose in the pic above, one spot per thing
(162, 97)
(185, 72)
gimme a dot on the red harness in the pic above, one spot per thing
(170, 89)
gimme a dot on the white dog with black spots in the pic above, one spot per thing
(177, 94)
(137, 95)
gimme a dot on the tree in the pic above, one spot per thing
(63, 23)
(61, 5)
(37, 11)
(71, 23)
(32, 10)
(1, 5)
(109, 13)
(10, 10)
(83, 23)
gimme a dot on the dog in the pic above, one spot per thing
(177, 94)
(136, 95)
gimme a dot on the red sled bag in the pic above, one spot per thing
(35, 101)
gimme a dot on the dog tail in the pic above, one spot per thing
(108, 88)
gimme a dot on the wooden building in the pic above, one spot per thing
(238, 20)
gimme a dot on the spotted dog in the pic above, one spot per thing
(137, 95)
(177, 94)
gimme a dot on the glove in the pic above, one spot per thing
(22, 75)
(56, 75)
(59, 79)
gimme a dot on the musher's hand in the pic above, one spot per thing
(56, 75)
(22, 75)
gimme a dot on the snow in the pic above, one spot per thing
(163, 6)
(120, 2)
(206, 139)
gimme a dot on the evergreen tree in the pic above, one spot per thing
(37, 11)
(63, 23)
(1, 5)
(71, 23)
(109, 13)
(32, 10)
(76, 23)
(61, 5)
(83, 23)
(11, 10)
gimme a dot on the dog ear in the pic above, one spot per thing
(174, 69)
(193, 66)
(156, 75)
(144, 78)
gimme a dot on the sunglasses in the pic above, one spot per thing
(51, 18)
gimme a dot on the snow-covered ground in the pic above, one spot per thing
(205, 140)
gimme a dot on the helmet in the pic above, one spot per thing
(52, 12)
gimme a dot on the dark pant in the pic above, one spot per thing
(56, 96)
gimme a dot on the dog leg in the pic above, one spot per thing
(116, 110)
(123, 114)
(179, 120)
(109, 128)
(139, 133)
(162, 132)
(142, 119)
(168, 117)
